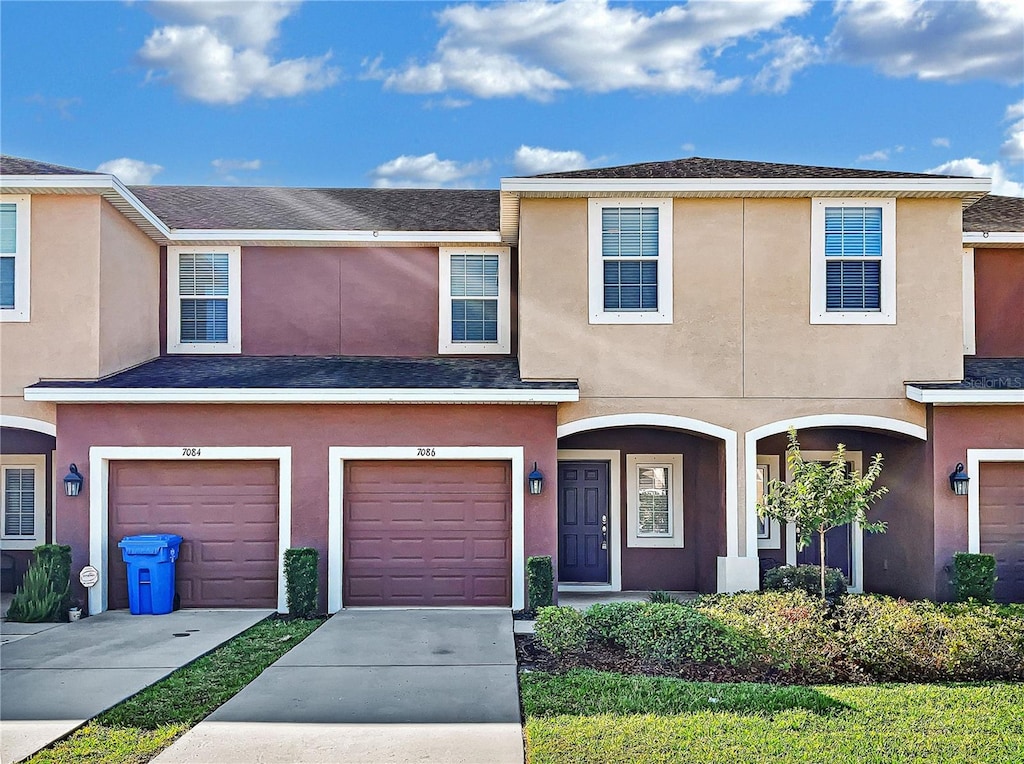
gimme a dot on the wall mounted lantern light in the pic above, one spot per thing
(73, 481)
(536, 479)
(958, 480)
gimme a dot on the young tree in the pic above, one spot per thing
(822, 496)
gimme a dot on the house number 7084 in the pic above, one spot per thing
(191, 452)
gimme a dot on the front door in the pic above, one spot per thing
(838, 551)
(583, 522)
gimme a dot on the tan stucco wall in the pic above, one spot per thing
(128, 289)
(741, 307)
(61, 337)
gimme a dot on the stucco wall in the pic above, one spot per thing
(61, 339)
(741, 307)
(310, 430)
(128, 290)
(999, 303)
(955, 429)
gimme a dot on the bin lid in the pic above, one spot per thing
(149, 541)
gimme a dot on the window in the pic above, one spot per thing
(474, 300)
(630, 261)
(853, 261)
(203, 305)
(654, 508)
(769, 532)
(15, 212)
(23, 488)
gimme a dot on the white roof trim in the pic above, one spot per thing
(295, 395)
(705, 185)
(993, 237)
(964, 397)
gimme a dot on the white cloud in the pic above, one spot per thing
(975, 168)
(219, 52)
(688, 147)
(1013, 147)
(426, 171)
(534, 160)
(941, 142)
(234, 165)
(538, 49)
(62, 106)
(131, 172)
(882, 155)
(790, 54)
(933, 39)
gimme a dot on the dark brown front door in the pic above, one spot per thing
(427, 533)
(226, 514)
(583, 522)
(1001, 509)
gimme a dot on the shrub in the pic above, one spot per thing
(807, 578)
(662, 597)
(562, 630)
(540, 581)
(35, 600)
(974, 576)
(56, 558)
(302, 581)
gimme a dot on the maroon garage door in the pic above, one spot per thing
(226, 512)
(1001, 506)
(427, 533)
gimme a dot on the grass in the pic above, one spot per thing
(594, 717)
(137, 729)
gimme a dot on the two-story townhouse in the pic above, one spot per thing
(374, 372)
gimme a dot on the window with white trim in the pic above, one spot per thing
(203, 302)
(630, 261)
(473, 312)
(23, 495)
(15, 264)
(654, 500)
(853, 261)
(769, 532)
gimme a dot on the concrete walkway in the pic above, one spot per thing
(376, 686)
(57, 676)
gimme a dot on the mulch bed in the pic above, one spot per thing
(532, 656)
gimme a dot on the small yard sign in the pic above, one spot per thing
(89, 576)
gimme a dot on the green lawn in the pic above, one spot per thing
(592, 717)
(136, 730)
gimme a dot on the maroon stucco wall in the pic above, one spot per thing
(899, 561)
(954, 429)
(17, 441)
(998, 297)
(694, 567)
(310, 430)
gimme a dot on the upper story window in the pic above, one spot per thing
(23, 489)
(853, 261)
(630, 261)
(15, 264)
(203, 301)
(654, 500)
(474, 300)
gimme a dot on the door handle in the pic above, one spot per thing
(604, 531)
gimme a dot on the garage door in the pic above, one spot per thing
(427, 533)
(1001, 506)
(226, 512)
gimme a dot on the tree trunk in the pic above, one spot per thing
(821, 546)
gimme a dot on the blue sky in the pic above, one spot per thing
(460, 95)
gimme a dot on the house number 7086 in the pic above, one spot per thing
(426, 452)
(191, 452)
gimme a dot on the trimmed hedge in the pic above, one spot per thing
(807, 578)
(540, 581)
(302, 581)
(974, 577)
(562, 630)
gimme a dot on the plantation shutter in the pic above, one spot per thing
(629, 249)
(654, 515)
(19, 501)
(853, 258)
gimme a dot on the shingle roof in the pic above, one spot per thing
(995, 213)
(322, 209)
(18, 166)
(702, 167)
(317, 372)
(984, 374)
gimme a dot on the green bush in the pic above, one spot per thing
(540, 581)
(562, 630)
(56, 558)
(35, 600)
(302, 581)
(662, 597)
(788, 578)
(974, 576)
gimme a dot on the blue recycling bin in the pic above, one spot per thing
(150, 560)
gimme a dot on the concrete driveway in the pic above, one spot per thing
(376, 686)
(57, 676)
